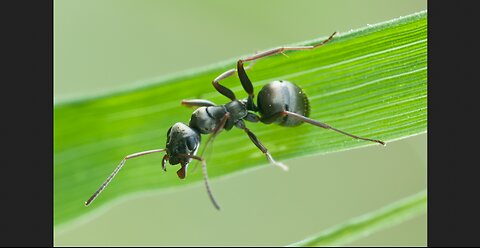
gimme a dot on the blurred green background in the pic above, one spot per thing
(108, 45)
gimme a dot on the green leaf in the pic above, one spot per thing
(369, 223)
(370, 82)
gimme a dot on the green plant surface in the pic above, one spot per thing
(369, 223)
(371, 82)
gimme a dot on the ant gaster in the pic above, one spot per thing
(280, 102)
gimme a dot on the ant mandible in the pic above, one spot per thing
(280, 102)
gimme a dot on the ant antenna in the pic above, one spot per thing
(114, 173)
(214, 134)
(205, 177)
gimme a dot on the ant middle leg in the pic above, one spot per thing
(252, 117)
(222, 89)
(247, 84)
(240, 124)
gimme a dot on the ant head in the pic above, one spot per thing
(181, 140)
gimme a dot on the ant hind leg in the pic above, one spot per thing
(323, 125)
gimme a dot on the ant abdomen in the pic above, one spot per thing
(279, 96)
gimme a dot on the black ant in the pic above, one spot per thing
(280, 102)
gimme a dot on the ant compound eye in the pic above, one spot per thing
(191, 143)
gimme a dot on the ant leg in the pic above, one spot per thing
(212, 136)
(222, 89)
(247, 86)
(240, 124)
(323, 125)
(198, 103)
(138, 154)
(252, 117)
(282, 49)
(216, 131)
(205, 177)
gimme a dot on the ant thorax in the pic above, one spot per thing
(205, 119)
(237, 110)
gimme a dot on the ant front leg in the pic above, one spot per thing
(198, 103)
(240, 124)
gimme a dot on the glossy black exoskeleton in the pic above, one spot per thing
(280, 102)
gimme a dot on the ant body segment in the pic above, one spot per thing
(279, 102)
